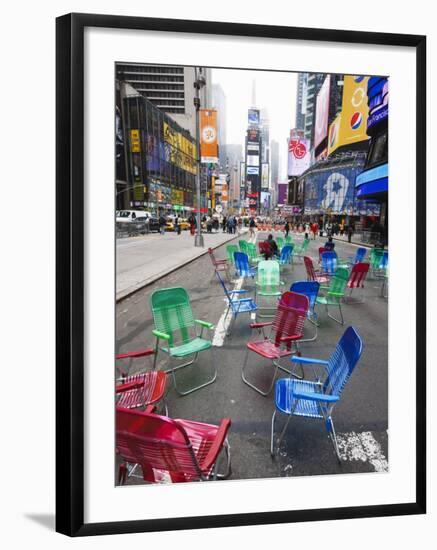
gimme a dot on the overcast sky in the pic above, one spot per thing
(275, 92)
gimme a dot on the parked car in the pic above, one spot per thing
(127, 216)
(183, 222)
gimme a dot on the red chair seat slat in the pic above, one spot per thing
(145, 389)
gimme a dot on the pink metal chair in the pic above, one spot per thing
(322, 249)
(142, 389)
(219, 265)
(285, 331)
(356, 281)
(166, 449)
(312, 274)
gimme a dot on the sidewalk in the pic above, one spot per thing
(142, 260)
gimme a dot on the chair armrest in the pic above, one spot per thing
(161, 335)
(241, 291)
(320, 397)
(308, 360)
(290, 338)
(260, 325)
(134, 354)
(205, 324)
(120, 388)
(220, 437)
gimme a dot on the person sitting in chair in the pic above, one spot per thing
(274, 251)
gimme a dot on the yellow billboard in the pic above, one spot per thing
(350, 125)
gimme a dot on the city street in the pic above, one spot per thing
(140, 260)
(361, 417)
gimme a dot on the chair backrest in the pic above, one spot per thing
(288, 239)
(360, 255)
(310, 289)
(155, 442)
(311, 274)
(286, 253)
(358, 275)
(337, 285)
(268, 274)
(289, 321)
(343, 361)
(211, 255)
(322, 249)
(251, 251)
(264, 247)
(225, 290)
(172, 312)
(230, 249)
(384, 260)
(243, 245)
(280, 242)
(376, 257)
(241, 261)
(329, 262)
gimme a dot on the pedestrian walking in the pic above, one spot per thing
(286, 228)
(314, 229)
(161, 223)
(307, 230)
(177, 226)
(252, 226)
(224, 224)
(350, 232)
(193, 222)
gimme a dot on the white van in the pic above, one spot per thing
(127, 216)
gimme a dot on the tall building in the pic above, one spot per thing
(314, 83)
(218, 102)
(302, 84)
(169, 88)
(233, 155)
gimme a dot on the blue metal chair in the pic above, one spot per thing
(310, 289)
(353, 260)
(329, 263)
(236, 305)
(286, 255)
(317, 399)
(242, 266)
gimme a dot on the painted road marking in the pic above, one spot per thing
(222, 326)
(364, 447)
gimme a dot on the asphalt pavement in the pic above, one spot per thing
(361, 417)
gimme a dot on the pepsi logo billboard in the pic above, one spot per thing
(356, 120)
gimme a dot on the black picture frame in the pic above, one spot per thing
(70, 273)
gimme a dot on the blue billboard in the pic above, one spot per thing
(332, 190)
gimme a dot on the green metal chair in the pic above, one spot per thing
(230, 249)
(334, 293)
(280, 242)
(252, 252)
(243, 246)
(268, 282)
(376, 255)
(288, 239)
(177, 327)
(300, 249)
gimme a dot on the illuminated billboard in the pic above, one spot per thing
(322, 112)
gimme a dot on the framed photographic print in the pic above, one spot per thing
(240, 274)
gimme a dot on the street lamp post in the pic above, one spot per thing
(199, 82)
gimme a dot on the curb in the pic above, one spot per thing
(126, 294)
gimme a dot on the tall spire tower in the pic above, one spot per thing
(254, 93)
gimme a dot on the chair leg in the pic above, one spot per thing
(331, 430)
(207, 383)
(228, 470)
(243, 376)
(339, 321)
(274, 451)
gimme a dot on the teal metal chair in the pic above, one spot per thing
(334, 293)
(268, 283)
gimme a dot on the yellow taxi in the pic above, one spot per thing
(183, 222)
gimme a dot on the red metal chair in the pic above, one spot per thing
(265, 250)
(322, 249)
(219, 265)
(285, 331)
(356, 280)
(314, 275)
(142, 389)
(168, 449)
